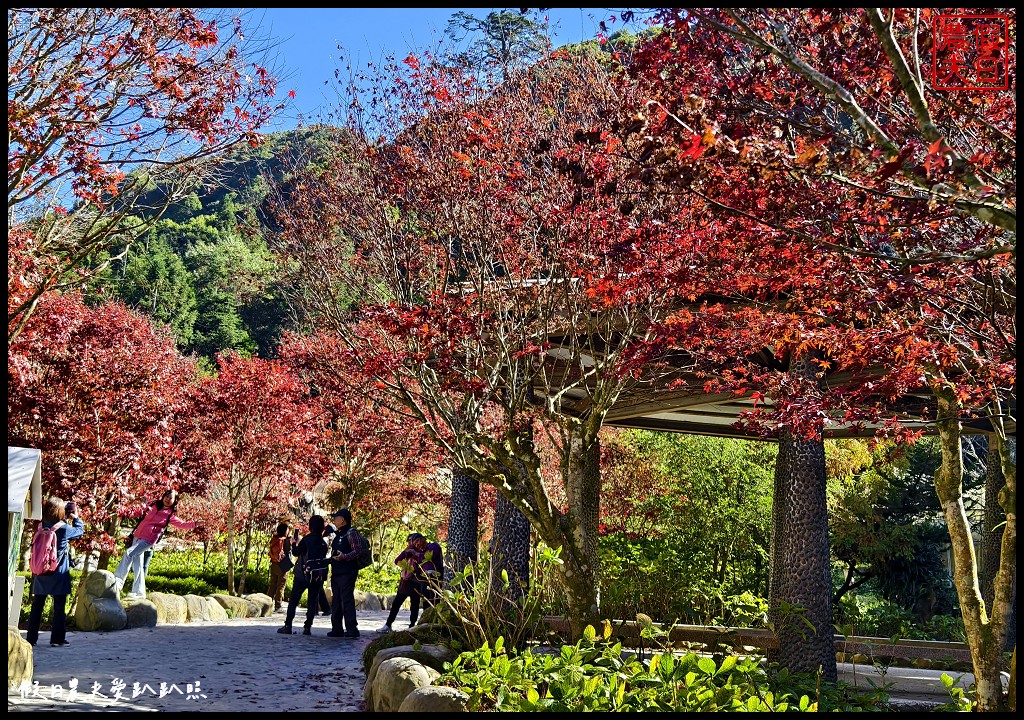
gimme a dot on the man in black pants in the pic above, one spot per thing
(343, 579)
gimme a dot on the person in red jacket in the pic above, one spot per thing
(146, 535)
(280, 551)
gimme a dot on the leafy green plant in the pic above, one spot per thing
(744, 610)
(871, 615)
(476, 610)
(960, 701)
(793, 617)
(379, 578)
(598, 675)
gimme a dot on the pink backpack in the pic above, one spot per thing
(44, 560)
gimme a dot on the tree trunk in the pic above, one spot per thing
(1011, 699)
(463, 523)
(992, 536)
(800, 580)
(580, 571)
(111, 526)
(985, 636)
(231, 535)
(245, 558)
(992, 532)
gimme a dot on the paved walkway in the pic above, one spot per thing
(238, 665)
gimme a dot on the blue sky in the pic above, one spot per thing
(307, 40)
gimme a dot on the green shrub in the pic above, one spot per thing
(381, 578)
(945, 627)
(874, 616)
(475, 610)
(634, 574)
(179, 585)
(596, 675)
(169, 566)
(176, 569)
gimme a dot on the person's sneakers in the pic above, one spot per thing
(286, 630)
(60, 643)
(385, 629)
(325, 613)
(306, 631)
(335, 633)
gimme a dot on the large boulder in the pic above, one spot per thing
(368, 601)
(216, 610)
(263, 602)
(141, 613)
(388, 600)
(396, 678)
(432, 656)
(170, 609)
(235, 606)
(101, 584)
(19, 659)
(434, 698)
(98, 607)
(198, 609)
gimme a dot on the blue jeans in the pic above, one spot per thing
(134, 560)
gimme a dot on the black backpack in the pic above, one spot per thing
(316, 570)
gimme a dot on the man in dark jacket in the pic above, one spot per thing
(343, 578)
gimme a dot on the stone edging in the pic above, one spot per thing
(400, 680)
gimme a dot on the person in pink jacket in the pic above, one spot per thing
(147, 534)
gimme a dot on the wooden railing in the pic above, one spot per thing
(628, 632)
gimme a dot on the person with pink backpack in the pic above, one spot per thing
(60, 524)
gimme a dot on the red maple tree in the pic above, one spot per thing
(112, 115)
(474, 266)
(381, 462)
(262, 438)
(864, 220)
(101, 392)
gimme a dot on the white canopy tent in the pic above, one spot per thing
(24, 482)
(24, 502)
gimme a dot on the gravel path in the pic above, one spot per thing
(236, 665)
